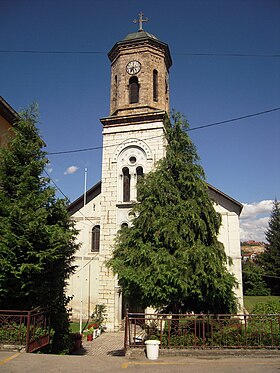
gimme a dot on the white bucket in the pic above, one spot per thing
(152, 347)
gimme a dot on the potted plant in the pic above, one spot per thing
(98, 318)
(89, 334)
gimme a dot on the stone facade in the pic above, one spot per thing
(152, 55)
(133, 141)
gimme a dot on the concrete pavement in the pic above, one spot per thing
(26, 363)
(105, 354)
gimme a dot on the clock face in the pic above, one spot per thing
(133, 67)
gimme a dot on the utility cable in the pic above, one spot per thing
(68, 200)
(188, 130)
(262, 275)
(26, 51)
(57, 187)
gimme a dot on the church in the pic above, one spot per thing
(133, 141)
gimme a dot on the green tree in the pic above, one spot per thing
(270, 259)
(170, 257)
(253, 281)
(37, 238)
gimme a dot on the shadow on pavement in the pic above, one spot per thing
(116, 353)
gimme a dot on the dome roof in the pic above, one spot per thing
(139, 35)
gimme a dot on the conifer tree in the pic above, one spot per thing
(270, 259)
(253, 279)
(37, 238)
(170, 257)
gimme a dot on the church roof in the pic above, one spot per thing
(140, 35)
(219, 197)
(79, 202)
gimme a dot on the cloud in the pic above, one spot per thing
(256, 208)
(71, 170)
(254, 219)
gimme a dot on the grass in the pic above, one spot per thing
(251, 301)
(75, 327)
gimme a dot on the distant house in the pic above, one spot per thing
(251, 249)
(7, 118)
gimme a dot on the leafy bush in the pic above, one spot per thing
(272, 308)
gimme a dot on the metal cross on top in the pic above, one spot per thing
(140, 21)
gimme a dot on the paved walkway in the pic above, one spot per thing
(107, 344)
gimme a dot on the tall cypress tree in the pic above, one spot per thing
(270, 259)
(170, 257)
(37, 238)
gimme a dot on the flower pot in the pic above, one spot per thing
(89, 337)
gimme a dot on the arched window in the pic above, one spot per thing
(126, 185)
(139, 175)
(95, 239)
(133, 90)
(155, 85)
(124, 225)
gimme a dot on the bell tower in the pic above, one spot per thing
(133, 141)
(139, 74)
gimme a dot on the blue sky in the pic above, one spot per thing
(72, 89)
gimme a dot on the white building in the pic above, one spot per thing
(132, 143)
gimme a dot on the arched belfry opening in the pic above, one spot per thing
(133, 90)
(139, 175)
(155, 85)
(126, 184)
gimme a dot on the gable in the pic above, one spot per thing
(224, 200)
(79, 202)
(219, 197)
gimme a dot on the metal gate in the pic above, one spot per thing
(25, 329)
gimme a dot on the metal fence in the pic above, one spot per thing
(203, 330)
(28, 329)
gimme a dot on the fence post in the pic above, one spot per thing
(28, 331)
(126, 332)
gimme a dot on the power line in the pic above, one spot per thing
(188, 130)
(57, 187)
(51, 52)
(262, 275)
(26, 51)
(227, 55)
(68, 200)
(233, 119)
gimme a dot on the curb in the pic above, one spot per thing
(134, 353)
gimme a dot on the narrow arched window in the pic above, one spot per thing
(126, 185)
(95, 239)
(139, 175)
(155, 85)
(133, 90)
